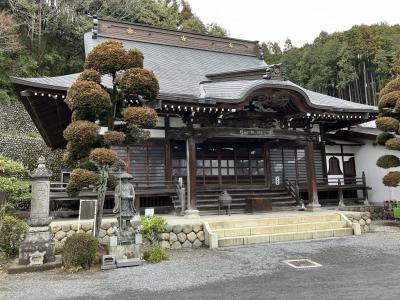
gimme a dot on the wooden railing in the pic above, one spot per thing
(293, 190)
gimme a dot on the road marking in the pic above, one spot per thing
(302, 263)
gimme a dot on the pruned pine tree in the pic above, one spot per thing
(93, 104)
(388, 121)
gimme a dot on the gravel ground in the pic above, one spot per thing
(191, 269)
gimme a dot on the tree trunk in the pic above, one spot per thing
(101, 195)
(114, 96)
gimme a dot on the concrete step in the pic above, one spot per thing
(284, 237)
(275, 229)
(282, 220)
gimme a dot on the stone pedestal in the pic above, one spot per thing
(38, 246)
(192, 214)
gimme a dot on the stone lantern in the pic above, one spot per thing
(38, 246)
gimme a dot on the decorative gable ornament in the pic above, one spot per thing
(275, 72)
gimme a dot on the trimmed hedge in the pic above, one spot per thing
(388, 161)
(114, 137)
(387, 124)
(80, 251)
(141, 116)
(393, 144)
(103, 156)
(11, 233)
(80, 178)
(139, 82)
(87, 96)
(383, 137)
(81, 132)
(393, 85)
(391, 179)
(90, 75)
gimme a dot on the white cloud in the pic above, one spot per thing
(300, 20)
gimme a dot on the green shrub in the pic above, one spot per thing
(383, 137)
(139, 82)
(152, 227)
(87, 96)
(79, 251)
(393, 144)
(11, 234)
(388, 161)
(387, 124)
(9, 167)
(81, 132)
(16, 190)
(156, 255)
(142, 116)
(391, 179)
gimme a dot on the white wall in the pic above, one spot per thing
(365, 159)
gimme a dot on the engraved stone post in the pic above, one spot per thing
(38, 239)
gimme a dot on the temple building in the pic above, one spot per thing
(227, 121)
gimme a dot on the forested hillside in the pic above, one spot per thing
(44, 38)
(354, 64)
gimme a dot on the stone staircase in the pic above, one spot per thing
(207, 199)
(276, 229)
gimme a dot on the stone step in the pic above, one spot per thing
(284, 237)
(283, 220)
(275, 229)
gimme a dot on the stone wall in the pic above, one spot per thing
(363, 218)
(176, 236)
(376, 212)
(20, 140)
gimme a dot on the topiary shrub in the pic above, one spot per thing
(142, 116)
(107, 58)
(152, 227)
(388, 161)
(80, 178)
(387, 124)
(114, 137)
(79, 251)
(389, 99)
(11, 234)
(139, 82)
(103, 156)
(383, 137)
(81, 132)
(393, 85)
(134, 58)
(391, 179)
(87, 96)
(90, 75)
(156, 255)
(393, 144)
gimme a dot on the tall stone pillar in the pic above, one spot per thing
(313, 203)
(38, 246)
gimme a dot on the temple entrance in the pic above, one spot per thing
(230, 163)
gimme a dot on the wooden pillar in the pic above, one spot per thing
(168, 152)
(312, 180)
(191, 171)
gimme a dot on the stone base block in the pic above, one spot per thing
(131, 262)
(16, 268)
(192, 214)
(37, 239)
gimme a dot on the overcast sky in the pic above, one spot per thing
(300, 20)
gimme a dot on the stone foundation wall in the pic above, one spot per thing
(376, 212)
(363, 218)
(20, 140)
(176, 236)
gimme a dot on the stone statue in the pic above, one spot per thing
(124, 200)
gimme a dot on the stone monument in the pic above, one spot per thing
(37, 250)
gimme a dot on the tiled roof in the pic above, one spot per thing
(182, 73)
